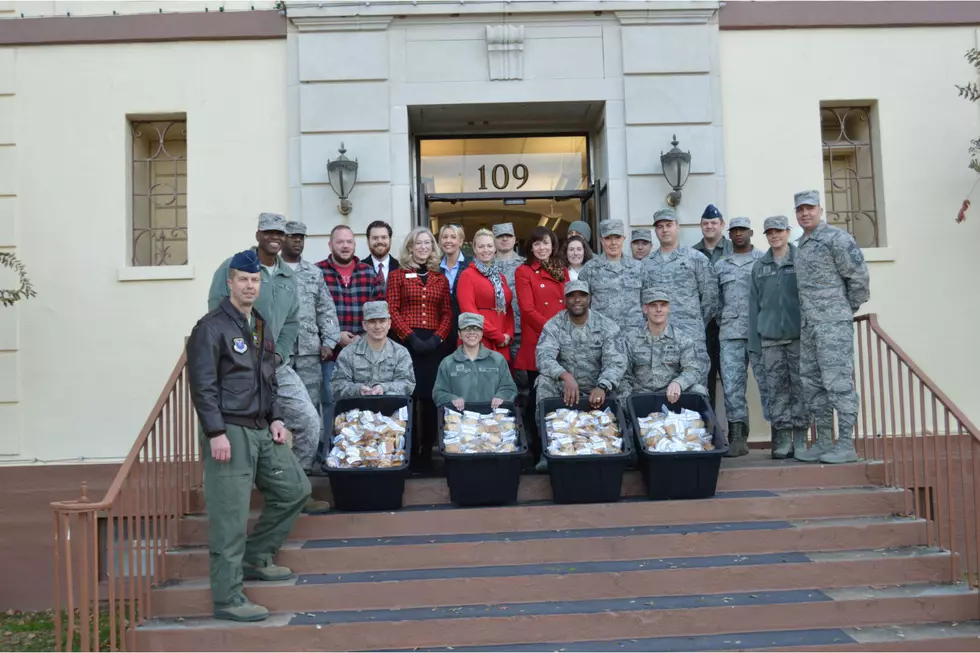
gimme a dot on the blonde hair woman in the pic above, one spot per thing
(451, 238)
(421, 313)
(483, 289)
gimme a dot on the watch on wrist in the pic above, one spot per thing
(605, 386)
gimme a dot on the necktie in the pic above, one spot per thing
(381, 273)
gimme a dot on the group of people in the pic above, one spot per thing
(285, 338)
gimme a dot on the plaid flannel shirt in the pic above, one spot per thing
(365, 286)
(414, 306)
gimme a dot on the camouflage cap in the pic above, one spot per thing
(740, 223)
(776, 222)
(467, 320)
(295, 227)
(577, 286)
(664, 214)
(272, 222)
(612, 228)
(654, 295)
(582, 228)
(376, 311)
(641, 234)
(808, 197)
(503, 229)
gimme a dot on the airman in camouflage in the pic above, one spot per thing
(688, 279)
(833, 284)
(615, 279)
(374, 365)
(319, 329)
(774, 331)
(580, 351)
(661, 357)
(508, 261)
(734, 273)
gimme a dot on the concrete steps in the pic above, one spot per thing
(787, 556)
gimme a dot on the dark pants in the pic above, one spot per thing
(713, 343)
(530, 417)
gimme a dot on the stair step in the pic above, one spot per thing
(473, 585)
(739, 506)
(547, 547)
(605, 622)
(759, 472)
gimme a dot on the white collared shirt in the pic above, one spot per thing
(385, 266)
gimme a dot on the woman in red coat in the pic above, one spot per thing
(482, 288)
(540, 285)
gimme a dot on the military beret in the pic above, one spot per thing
(612, 228)
(641, 234)
(809, 197)
(503, 229)
(776, 222)
(577, 286)
(247, 261)
(582, 228)
(295, 227)
(664, 214)
(272, 222)
(467, 320)
(740, 223)
(376, 311)
(654, 295)
(711, 212)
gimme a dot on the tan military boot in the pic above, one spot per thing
(782, 444)
(265, 572)
(738, 436)
(824, 444)
(245, 611)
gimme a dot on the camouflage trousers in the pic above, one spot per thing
(698, 335)
(546, 388)
(826, 374)
(308, 368)
(735, 360)
(781, 370)
(298, 414)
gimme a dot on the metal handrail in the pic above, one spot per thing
(118, 545)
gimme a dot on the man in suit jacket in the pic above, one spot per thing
(379, 242)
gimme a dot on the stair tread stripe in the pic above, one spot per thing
(640, 603)
(651, 564)
(522, 536)
(724, 642)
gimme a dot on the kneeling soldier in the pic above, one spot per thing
(374, 365)
(473, 373)
(232, 371)
(661, 359)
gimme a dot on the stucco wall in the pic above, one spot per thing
(922, 284)
(91, 353)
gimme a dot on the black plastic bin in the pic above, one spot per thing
(680, 475)
(483, 479)
(585, 479)
(370, 488)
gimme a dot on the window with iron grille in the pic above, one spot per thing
(852, 194)
(159, 192)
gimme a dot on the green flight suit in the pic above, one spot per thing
(476, 381)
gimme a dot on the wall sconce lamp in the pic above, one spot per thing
(676, 166)
(342, 173)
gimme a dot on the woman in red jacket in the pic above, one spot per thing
(540, 285)
(418, 299)
(482, 288)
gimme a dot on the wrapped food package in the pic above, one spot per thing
(583, 433)
(367, 439)
(667, 432)
(472, 433)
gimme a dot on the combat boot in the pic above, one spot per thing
(782, 444)
(265, 572)
(316, 507)
(800, 436)
(244, 611)
(843, 452)
(824, 444)
(738, 435)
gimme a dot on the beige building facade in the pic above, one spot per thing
(133, 161)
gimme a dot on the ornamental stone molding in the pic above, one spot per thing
(505, 51)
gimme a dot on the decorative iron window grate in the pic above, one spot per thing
(159, 183)
(849, 172)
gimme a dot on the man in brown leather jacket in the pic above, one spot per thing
(231, 363)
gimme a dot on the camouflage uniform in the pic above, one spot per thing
(593, 353)
(734, 273)
(657, 361)
(508, 267)
(318, 327)
(689, 280)
(616, 287)
(833, 284)
(359, 365)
